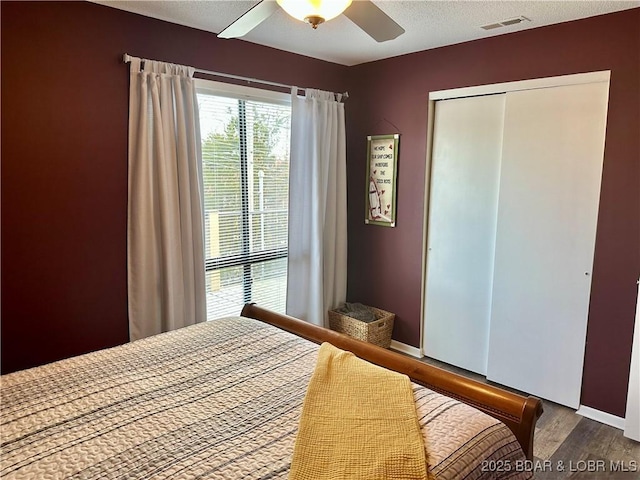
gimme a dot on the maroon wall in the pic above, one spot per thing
(64, 167)
(64, 162)
(391, 96)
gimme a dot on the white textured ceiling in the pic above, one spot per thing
(428, 24)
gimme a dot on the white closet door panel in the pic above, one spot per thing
(549, 193)
(461, 231)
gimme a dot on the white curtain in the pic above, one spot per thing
(317, 264)
(165, 256)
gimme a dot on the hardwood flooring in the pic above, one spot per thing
(569, 446)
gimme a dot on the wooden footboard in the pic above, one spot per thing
(519, 413)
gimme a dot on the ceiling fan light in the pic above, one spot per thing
(307, 10)
(314, 21)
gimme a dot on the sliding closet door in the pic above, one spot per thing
(461, 229)
(549, 192)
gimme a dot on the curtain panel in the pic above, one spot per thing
(165, 255)
(317, 262)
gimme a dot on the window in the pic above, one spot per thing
(245, 164)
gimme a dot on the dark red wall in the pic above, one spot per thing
(389, 96)
(64, 162)
(64, 167)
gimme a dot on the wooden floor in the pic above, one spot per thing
(569, 446)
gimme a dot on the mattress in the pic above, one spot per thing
(217, 400)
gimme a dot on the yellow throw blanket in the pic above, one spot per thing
(358, 421)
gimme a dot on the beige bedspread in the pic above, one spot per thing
(219, 400)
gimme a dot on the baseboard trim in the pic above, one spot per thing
(602, 417)
(404, 348)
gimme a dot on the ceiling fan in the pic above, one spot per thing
(364, 13)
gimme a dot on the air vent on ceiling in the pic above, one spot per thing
(505, 23)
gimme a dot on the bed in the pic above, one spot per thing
(222, 399)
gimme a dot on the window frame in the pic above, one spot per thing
(246, 259)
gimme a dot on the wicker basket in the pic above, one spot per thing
(377, 332)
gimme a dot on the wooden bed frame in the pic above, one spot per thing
(519, 413)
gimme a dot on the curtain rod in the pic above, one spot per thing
(127, 59)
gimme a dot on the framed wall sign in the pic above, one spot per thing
(382, 160)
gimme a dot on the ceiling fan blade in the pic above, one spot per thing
(377, 24)
(250, 20)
